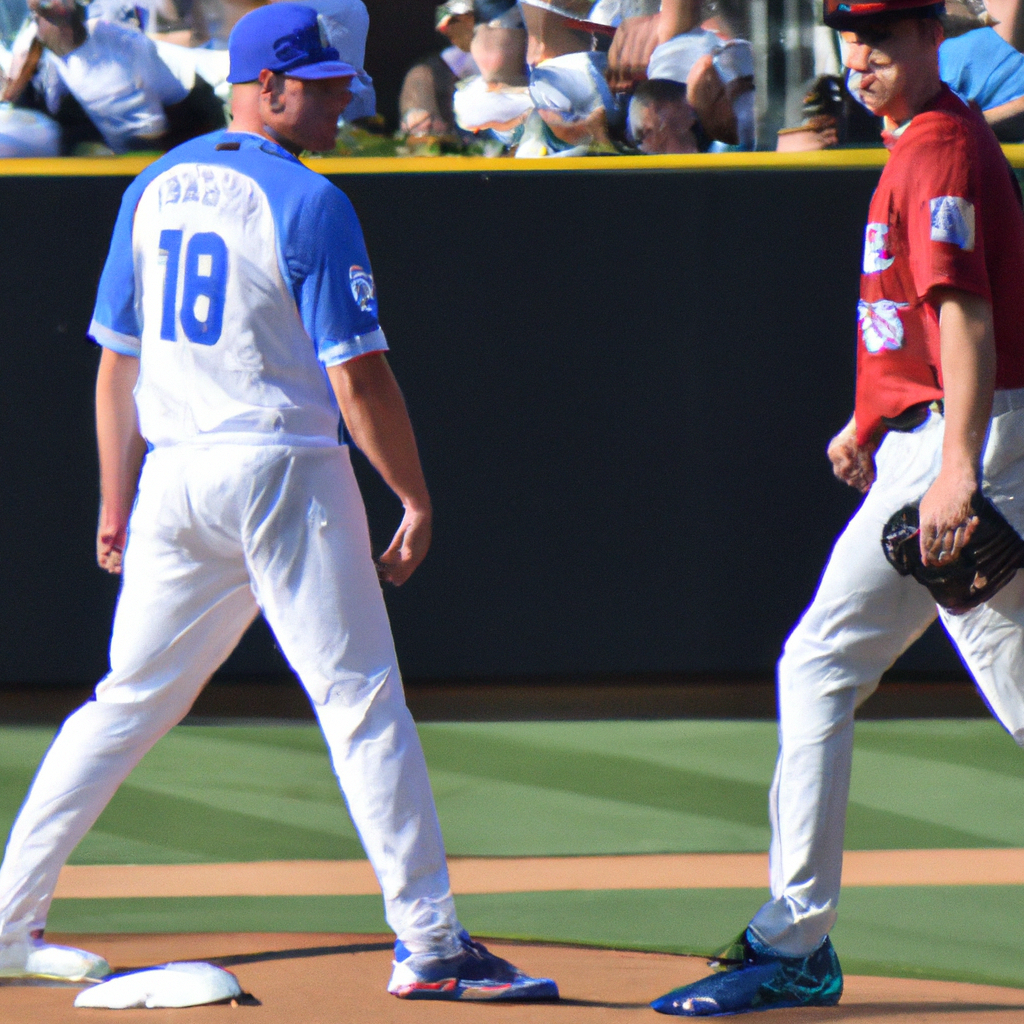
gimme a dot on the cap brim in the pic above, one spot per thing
(323, 69)
(865, 13)
(596, 27)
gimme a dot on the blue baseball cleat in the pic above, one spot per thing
(471, 973)
(762, 980)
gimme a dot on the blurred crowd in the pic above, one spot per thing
(544, 78)
(115, 76)
(530, 78)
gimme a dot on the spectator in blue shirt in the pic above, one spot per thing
(983, 65)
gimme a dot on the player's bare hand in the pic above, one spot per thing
(852, 463)
(408, 547)
(946, 517)
(630, 52)
(111, 536)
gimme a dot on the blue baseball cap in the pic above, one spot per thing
(284, 38)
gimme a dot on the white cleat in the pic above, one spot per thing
(34, 958)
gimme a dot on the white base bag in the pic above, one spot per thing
(175, 984)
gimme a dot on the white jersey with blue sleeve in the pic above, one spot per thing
(237, 275)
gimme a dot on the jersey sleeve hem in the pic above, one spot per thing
(946, 283)
(333, 352)
(125, 344)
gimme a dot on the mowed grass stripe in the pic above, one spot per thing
(359, 914)
(220, 835)
(977, 744)
(590, 773)
(534, 789)
(639, 781)
(968, 799)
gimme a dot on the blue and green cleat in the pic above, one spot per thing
(473, 972)
(759, 979)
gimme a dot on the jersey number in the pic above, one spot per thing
(202, 294)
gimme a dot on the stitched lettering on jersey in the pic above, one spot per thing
(880, 324)
(208, 186)
(953, 221)
(361, 282)
(876, 253)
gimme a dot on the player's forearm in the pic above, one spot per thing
(968, 352)
(121, 447)
(376, 417)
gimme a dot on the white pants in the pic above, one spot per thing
(862, 618)
(217, 533)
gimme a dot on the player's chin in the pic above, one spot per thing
(875, 104)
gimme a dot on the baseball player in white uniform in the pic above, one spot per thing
(238, 321)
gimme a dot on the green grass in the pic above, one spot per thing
(359, 914)
(545, 788)
(521, 789)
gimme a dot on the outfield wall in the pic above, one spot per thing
(623, 375)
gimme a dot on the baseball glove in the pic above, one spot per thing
(986, 564)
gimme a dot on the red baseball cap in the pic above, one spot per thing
(844, 14)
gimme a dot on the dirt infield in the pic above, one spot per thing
(535, 874)
(340, 979)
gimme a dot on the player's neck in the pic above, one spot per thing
(254, 126)
(908, 105)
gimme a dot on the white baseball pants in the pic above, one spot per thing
(862, 618)
(217, 533)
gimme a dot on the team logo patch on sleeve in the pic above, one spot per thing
(880, 324)
(953, 221)
(361, 282)
(876, 252)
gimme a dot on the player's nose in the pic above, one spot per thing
(857, 57)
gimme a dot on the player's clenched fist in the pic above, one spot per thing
(109, 555)
(110, 540)
(852, 463)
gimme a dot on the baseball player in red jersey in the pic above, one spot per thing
(939, 416)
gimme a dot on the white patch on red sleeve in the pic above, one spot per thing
(876, 251)
(953, 221)
(880, 324)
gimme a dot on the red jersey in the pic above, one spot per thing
(946, 213)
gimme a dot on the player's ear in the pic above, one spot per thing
(270, 84)
(271, 87)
